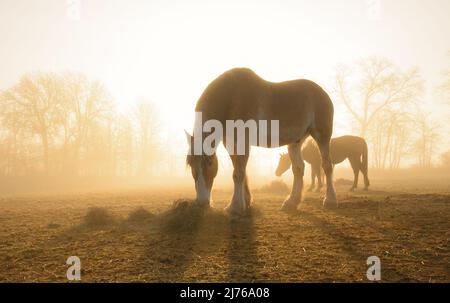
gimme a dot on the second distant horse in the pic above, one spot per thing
(346, 147)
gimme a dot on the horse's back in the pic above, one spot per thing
(236, 90)
(348, 141)
(347, 146)
(299, 105)
(244, 86)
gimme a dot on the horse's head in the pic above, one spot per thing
(283, 164)
(204, 170)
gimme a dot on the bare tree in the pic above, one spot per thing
(427, 132)
(445, 159)
(378, 85)
(85, 103)
(147, 120)
(59, 110)
(124, 147)
(445, 85)
(390, 135)
(34, 104)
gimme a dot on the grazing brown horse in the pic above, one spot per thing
(302, 108)
(347, 147)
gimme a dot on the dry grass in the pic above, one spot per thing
(343, 182)
(144, 236)
(275, 187)
(97, 217)
(140, 216)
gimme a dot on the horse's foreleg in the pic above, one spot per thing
(238, 203)
(366, 180)
(366, 177)
(298, 168)
(324, 146)
(247, 193)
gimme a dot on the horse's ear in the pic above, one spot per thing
(188, 137)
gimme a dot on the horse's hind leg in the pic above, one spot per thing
(366, 178)
(356, 166)
(324, 146)
(364, 167)
(247, 193)
(298, 169)
(319, 178)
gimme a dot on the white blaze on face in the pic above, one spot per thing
(203, 193)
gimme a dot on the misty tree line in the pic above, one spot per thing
(386, 107)
(67, 124)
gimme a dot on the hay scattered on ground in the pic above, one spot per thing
(53, 225)
(98, 217)
(185, 215)
(275, 187)
(139, 216)
(343, 182)
(406, 228)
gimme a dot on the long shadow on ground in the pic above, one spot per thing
(242, 250)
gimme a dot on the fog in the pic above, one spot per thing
(97, 94)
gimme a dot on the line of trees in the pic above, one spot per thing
(384, 103)
(67, 124)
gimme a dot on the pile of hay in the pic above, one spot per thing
(98, 217)
(186, 216)
(139, 216)
(275, 187)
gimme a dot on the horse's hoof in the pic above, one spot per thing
(248, 203)
(201, 203)
(330, 203)
(310, 189)
(202, 207)
(366, 189)
(289, 207)
(235, 212)
(317, 190)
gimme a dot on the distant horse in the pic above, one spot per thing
(302, 108)
(347, 147)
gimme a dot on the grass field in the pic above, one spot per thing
(139, 236)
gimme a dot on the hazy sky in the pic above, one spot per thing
(169, 51)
